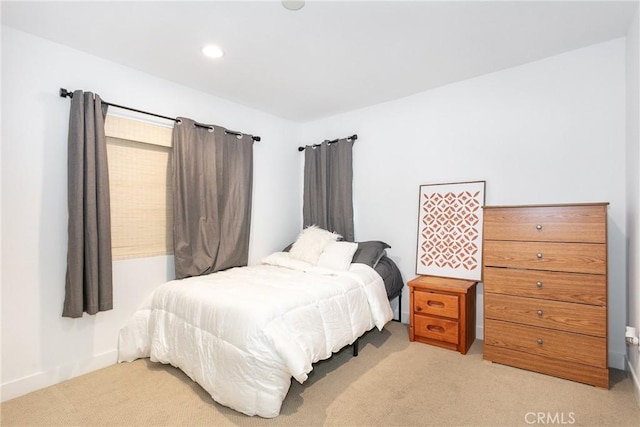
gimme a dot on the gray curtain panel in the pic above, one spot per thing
(212, 186)
(328, 191)
(88, 285)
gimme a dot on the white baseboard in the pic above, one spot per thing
(635, 379)
(404, 318)
(479, 332)
(40, 380)
(617, 360)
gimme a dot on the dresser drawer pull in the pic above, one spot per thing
(539, 341)
(539, 255)
(539, 285)
(435, 328)
(432, 303)
(539, 313)
(538, 227)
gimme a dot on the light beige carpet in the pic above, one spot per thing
(391, 383)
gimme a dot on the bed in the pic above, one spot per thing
(243, 333)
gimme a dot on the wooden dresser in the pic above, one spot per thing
(443, 312)
(545, 289)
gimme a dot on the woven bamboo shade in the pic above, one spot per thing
(141, 196)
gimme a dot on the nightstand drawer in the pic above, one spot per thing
(437, 304)
(568, 257)
(436, 329)
(585, 224)
(564, 316)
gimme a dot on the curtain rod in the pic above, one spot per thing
(65, 93)
(353, 137)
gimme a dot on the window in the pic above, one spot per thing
(139, 156)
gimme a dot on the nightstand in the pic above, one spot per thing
(443, 312)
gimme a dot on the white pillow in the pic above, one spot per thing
(311, 242)
(337, 255)
(284, 259)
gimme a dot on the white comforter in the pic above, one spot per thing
(243, 333)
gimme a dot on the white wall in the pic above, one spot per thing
(633, 195)
(552, 131)
(39, 347)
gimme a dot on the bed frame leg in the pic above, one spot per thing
(399, 319)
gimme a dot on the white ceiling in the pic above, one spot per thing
(330, 56)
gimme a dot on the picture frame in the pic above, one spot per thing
(450, 217)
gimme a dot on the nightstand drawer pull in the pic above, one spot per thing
(538, 227)
(432, 303)
(539, 255)
(539, 285)
(435, 328)
(539, 341)
(539, 313)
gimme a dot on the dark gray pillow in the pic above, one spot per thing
(370, 252)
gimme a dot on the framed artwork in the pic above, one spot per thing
(450, 230)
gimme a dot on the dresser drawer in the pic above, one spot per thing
(436, 329)
(434, 303)
(564, 316)
(568, 257)
(570, 287)
(580, 372)
(565, 346)
(585, 223)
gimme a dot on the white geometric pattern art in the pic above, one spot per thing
(450, 230)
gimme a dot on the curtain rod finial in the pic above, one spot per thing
(64, 93)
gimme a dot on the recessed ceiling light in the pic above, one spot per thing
(293, 4)
(212, 51)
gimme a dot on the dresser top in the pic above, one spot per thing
(552, 205)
